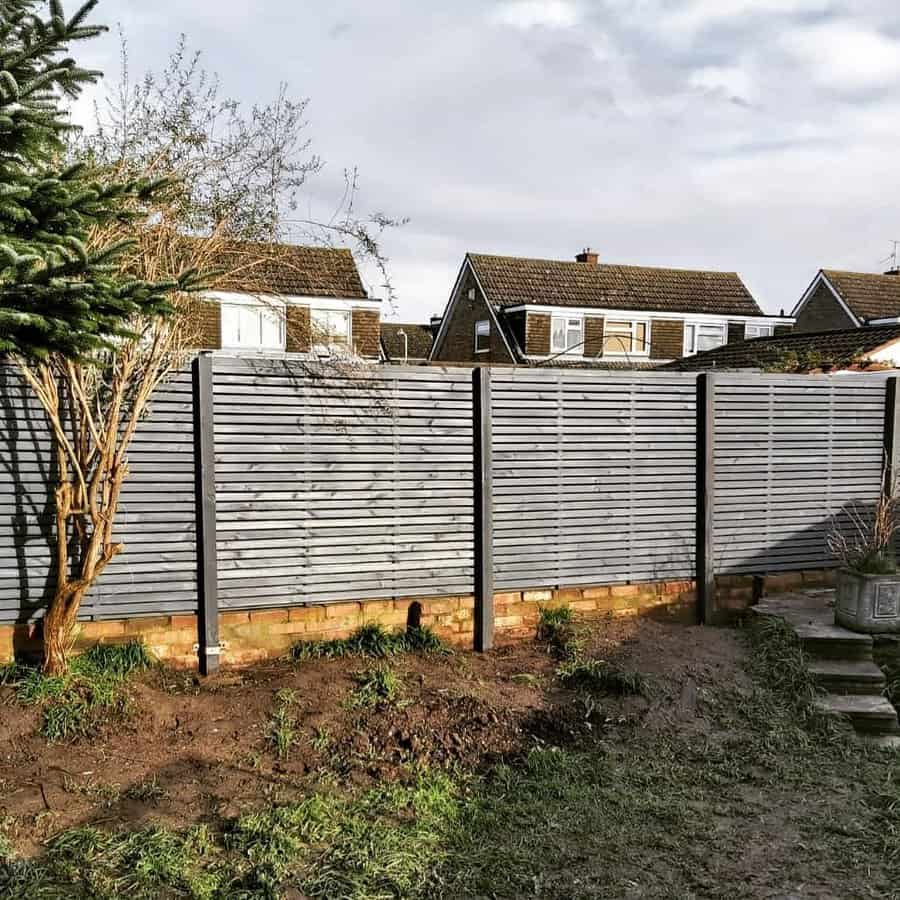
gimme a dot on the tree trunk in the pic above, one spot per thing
(58, 628)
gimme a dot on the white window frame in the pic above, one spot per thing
(690, 346)
(577, 349)
(761, 331)
(632, 330)
(327, 349)
(483, 330)
(274, 308)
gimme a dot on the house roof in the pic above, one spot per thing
(869, 296)
(287, 269)
(419, 340)
(813, 349)
(513, 281)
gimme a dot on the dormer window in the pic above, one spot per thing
(330, 330)
(567, 334)
(625, 338)
(253, 325)
(757, 331)
(699, 337)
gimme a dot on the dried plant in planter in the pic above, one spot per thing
(862, 536)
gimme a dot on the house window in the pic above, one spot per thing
(626, 337)
(482, 336)
(330, 330)
(566, 334)
(252, 326)
(756, 331)
(698, 337)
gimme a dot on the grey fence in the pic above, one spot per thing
(337, 485)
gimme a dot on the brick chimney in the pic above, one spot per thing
(587, 256)
(892, 272)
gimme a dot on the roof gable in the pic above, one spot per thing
(515, 281)
(868, 296)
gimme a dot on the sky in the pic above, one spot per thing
(757, 136)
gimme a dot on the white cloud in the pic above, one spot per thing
(535, 13)
(845, 56)
(694, 16)
(733, 81)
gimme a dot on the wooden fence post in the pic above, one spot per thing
(484, 509)
(891, 462)
(703, 559)
(205, 498)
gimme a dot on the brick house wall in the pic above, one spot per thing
(822, 312)
(205, 329)
(365, 330)
(297, 336)
(537, 334)
(593, 336)
(458, 342)
(666, 339)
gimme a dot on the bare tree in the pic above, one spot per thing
(233, 175)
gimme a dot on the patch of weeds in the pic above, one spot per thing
(602, 677)
(281, 732)
(321, 740)
(372, 641)
(98, 793)
(91, 693)
(149, 791)
(555, 628)
(375, 686)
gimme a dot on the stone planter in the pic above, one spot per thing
(867, 603)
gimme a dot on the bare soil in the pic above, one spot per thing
(202, 742)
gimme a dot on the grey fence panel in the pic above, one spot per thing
(594, 477)
(335, 485)
(791, 452)
(156, 574)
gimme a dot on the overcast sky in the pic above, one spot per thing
(752, 135)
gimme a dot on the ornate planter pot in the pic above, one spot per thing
(868, 603)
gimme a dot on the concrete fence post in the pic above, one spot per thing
(205, 499)
(484, 509)
(705, 576)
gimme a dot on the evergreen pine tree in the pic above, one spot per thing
(56, 296)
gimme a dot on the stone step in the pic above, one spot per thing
(839, 676)
(833, 642)
(869, 715)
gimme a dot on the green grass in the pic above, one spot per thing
(757, 803)
(281, 731)
(92, 693)
(375, 686)
(372, 641)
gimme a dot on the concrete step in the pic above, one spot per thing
(869, 715)
(839, 676)
(833, 642)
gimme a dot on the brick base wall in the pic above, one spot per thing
(257, 635)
